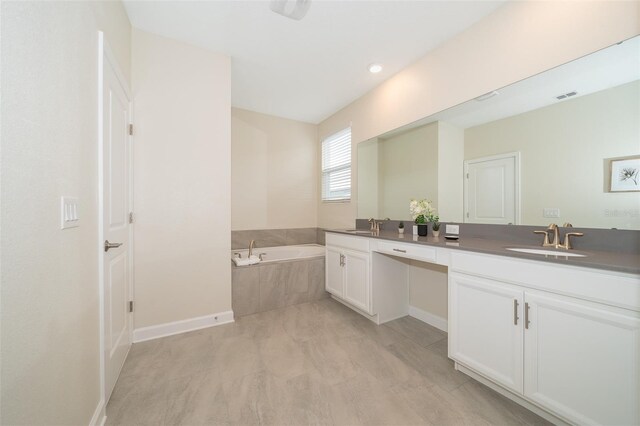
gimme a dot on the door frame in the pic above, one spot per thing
(516, 156)
(105, 55)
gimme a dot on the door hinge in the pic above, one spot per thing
(130, 129)
(131, 218)
(130, 305)
(467, 214)
(467, 175)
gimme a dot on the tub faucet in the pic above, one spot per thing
(251, 245)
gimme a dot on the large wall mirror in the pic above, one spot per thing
(561, 146)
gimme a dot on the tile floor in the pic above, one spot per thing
(314, 363)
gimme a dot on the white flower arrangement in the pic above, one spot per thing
(421, 210)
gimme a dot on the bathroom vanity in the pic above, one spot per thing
(558, 334)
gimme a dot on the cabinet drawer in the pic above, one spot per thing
(410, 251)
(617, 289)
(347, 241)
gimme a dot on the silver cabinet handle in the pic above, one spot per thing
(526, 316)
(342, 260)
(515, 312)
(108, 245)
(401, 251)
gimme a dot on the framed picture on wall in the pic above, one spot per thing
(625, 175)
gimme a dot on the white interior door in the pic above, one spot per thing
(492, 190)
(116, 200)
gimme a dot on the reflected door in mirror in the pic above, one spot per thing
(491, 190)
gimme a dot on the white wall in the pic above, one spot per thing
(562, 148)
(182, 189)
(50, 324)
(518, 40)
(274, 169)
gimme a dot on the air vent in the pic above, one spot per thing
(566, 95)
(486, 96)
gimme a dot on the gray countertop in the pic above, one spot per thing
(611, 261)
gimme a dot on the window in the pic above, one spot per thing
(336, 166)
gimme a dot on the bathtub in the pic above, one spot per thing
(277, 254)
(288, 275)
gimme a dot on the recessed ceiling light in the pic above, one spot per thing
(294, 9)
(375, 68)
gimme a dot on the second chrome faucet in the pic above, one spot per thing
(556, 236)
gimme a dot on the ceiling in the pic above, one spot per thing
(306, 70)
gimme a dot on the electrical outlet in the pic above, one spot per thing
(69, 216)
(551, 212)
(452, 229)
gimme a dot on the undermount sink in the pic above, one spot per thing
(357, 231)
(545, 252)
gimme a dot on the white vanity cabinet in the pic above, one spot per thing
(582, 360)
(334, 282)
(569, 355)
(485, 328)
(560, 339)
(348, 272)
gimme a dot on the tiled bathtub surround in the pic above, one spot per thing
(276, 237)
(260, 288)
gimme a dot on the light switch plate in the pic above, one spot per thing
(452, 229)
(550, 212)
(69, 215)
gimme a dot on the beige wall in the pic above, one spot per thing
(408, 161)
(274, 169)
(450, 172)
(518, 40)
(50, 324)
(428, 288)
(182, 151)
(368, 178)
(423, 163)
(562, 148)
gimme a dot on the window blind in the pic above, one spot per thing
(336, 166)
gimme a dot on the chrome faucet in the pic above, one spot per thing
(556, 236)
(251, 245)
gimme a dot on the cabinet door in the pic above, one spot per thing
(485, 328)
(357, 283)
(334, 281)
(582, 361)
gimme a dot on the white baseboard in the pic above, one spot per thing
(99, 417)
(182, 326)
(431, 319)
